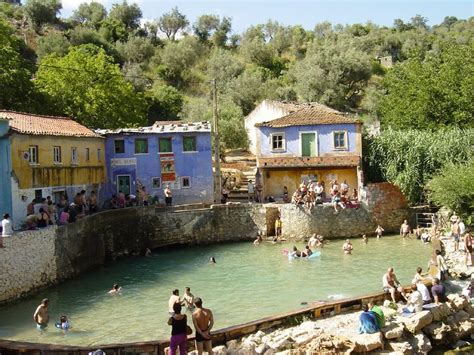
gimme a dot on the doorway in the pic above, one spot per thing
(123, 184)
(308, 144)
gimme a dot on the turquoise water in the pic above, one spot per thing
(248, 282)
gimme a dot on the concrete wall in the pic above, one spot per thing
(5, 170)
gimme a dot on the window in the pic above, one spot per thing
(156, 183)
(38, 195)
(99, 155)
(278, 141)
(33, 154)
(119, 146)
(88, 154)
(74, 156)
(340, 141)
(189, 144)
(57, 159)
(185, 182)
(165, 145)
(141, 146)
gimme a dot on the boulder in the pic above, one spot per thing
(420, 343)
(461, 344)
(327, 343)
(262, 348)
(368, 342)
(470, 309)
(418, 321)
(219, 350)
(459, 302)
(440, 312)
(400, 347)
(232, 345)
(460, 316)
(393, 330)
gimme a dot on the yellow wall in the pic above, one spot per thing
(274, 180)
(46, 173)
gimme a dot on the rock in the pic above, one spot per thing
(219, 350)
(420, 343)
(306, 338)
(327, 343)
(459, 302)
(470, 309)
(393, 330)
(460, 344)
(418, 321)
(281, 344)
(400, 347)
(439, 333)
(388, 312)
(232, 345)
(270, 351)
(368, 342)
(440, 312)
(262, 348)
(460, 316)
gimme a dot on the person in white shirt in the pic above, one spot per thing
(462, 227)
(7, 229)
(173, 299)
(415, 301)
(425, 294)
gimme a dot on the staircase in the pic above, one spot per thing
(247, 164)
(241, 194)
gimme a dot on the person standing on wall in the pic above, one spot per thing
(203, 321)
(251, 191)
(168, 196)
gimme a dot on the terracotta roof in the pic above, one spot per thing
(310, 114)
(305, 162)
(27, 123)
(161, 127)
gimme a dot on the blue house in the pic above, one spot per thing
(168, 153)
(5, 168)
(311, 142)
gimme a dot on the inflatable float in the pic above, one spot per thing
(291, 257)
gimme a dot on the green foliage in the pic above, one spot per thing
(205, 25)
(128, 15)
(231, 126)
(53, 42)
(40, 12)
(453, 187)
(112, 30)
(90, 14)
(223, 66)
(87, 85)
(136, 50)
(334, 74)
(438, 91)
(410, 158)
(172, 22)
(165, 103)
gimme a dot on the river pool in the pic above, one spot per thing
(248, 282)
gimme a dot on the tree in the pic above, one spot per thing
(431, 93)
(224, 66)
(165, 103)
(204, 26)
(172, 22)
(129, 15)
(87, 85)
(419, 22)
(40, 12)
(112, 30)
(332, 73)
(90, 13)
(136, 50)
(453, 187)
(53, 42)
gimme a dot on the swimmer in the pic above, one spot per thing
(63, 324)
(320, 242)
(365, 239)
(258, 240)
(41, 315)
(313, 241)
(148, 252)
(188, 299)
(212, 260)
(306, 252)
(115, 289)
(347, 247)
(296, 253)
(379, 231)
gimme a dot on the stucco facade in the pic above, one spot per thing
(5, 169)
(183, 160)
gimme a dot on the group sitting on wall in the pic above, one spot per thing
(310, 194)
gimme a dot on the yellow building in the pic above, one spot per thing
(51, 156)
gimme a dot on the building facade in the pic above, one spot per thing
(5, 168)
(314, 143)
(50, 156)
(168, 153)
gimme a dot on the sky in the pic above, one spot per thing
(307, 13)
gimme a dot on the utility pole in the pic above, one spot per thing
(217, 157)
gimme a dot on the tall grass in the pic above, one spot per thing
(410, 158)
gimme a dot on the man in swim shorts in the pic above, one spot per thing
(468, 247)
(41, 315)
(203, 321)
(391, 284)
(405, 229)
(188, 298)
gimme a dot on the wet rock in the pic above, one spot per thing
(327, 343)
(420, 343)
(440, 312)
(400, 346)
(418, 321)
(393, 330)
(368, 342)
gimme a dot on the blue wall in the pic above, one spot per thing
(292, 136)
(197, 165)
(5, 170)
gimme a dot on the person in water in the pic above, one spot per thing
(365, 239)
(63, 323)
(41, 315)
(258, 240)
(179, 335)
(188, 299)
(368, 321)
(313, 241)
(306, 252)
(174, 298)
(115, 289)
(212, 260)
(295, 253)
(379, 231)
(347, 247)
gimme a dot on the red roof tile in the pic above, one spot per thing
(27, 123)
(305, 162)
(309, 114)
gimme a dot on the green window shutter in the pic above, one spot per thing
(141, 146)
(165, 145)
(189, 144)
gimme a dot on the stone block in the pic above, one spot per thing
(420, 343)
(459, 302)
(440, 312)
(368, 342)
(219, 350)
(418, 321)
(439, 333)
(232, 345)
(393, 331)
(400, 347)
